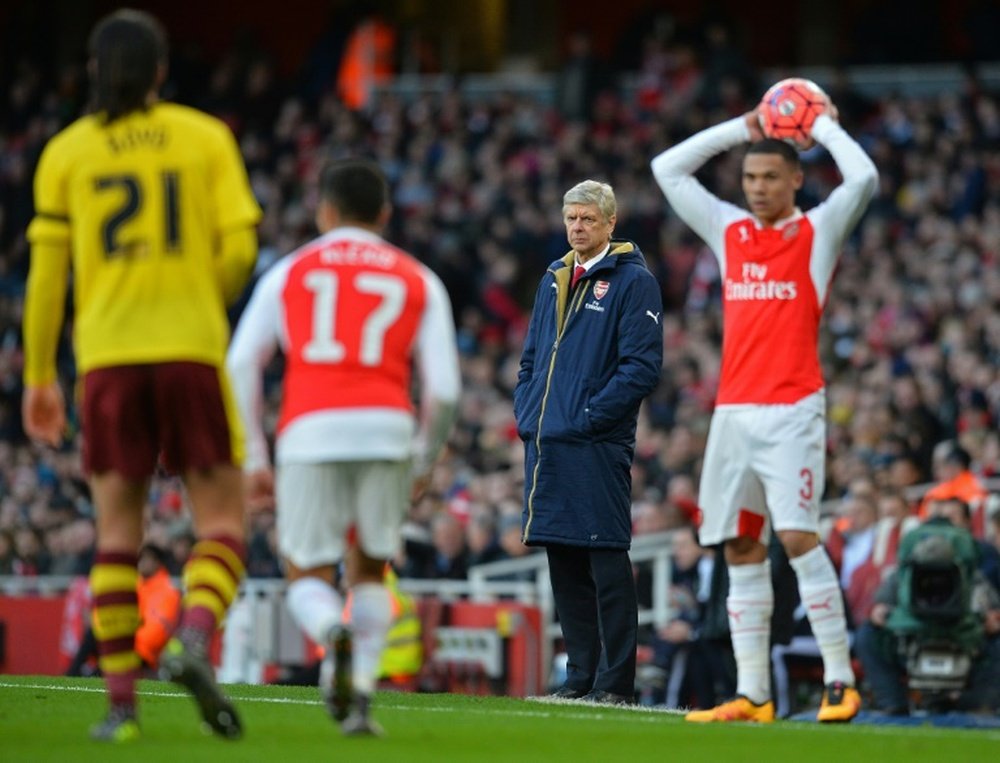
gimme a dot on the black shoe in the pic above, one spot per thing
(601, 697)
(336, 679)
(184, 666)
(568, 692)
(359, 722)
(118, 727)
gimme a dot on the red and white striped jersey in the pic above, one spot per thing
(775, 280)
(352, 314)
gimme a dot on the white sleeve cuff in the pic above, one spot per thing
(824, 127)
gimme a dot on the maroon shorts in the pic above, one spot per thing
(133, 415)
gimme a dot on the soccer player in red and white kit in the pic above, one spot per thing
(764, 460)
(351, 313)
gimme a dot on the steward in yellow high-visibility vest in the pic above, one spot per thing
(403, 655)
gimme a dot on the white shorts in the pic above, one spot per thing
(319, 503)
(763, 469)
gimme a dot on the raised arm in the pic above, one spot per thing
(674, 172)
(834, 219)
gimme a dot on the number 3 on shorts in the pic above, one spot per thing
(807, 489)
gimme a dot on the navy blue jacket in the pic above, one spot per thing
(591, 355)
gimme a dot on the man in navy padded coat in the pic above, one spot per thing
(593, 351)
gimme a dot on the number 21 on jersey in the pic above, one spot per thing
(329, 342)
(132, 195)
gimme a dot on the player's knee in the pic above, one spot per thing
(796, 542)
(745, 550)
(367, 569)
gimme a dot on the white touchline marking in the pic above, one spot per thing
(636, 713)
(147, 693)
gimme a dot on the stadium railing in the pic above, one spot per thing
(260, 632)
(273, 638)
(653, 549)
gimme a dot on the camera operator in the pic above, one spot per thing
(941, 541)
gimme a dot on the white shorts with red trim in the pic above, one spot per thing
(763, 470)
(319, 504)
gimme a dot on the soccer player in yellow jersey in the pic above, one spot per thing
(149, 205)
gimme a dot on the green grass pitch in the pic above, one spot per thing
(46, 719)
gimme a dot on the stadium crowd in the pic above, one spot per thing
(911, 346)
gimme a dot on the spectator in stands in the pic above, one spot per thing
(690, 574)
(451, 557)
(481, 538)
(78, 538)
(369, 60)
(955, 479)
(509, 531)
(263, 558)
(893, 506)
(417, 548)
(904, 471)
(894, 520)
(916, 424)
(8, 554)
(957, 512)
(182, 541)
(30, 555)
(159, 605)
(850, 543)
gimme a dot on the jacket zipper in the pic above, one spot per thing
(574, 307)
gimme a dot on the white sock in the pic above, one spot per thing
(371, 616)
(316, 606)
(750, 604)
(819, 589)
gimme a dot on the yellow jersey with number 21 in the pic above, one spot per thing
(142, 204)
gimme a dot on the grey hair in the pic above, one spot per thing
(592, 192)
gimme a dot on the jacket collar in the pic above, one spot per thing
(614, 255)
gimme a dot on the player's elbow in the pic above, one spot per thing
(668, 175)
(864, 182)
(870, 180)
(663, 168)
(866, 176)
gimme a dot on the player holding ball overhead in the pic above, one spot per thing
(764, 461)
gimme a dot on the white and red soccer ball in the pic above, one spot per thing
(789, 108)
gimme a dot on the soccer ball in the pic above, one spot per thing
(789, 108)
